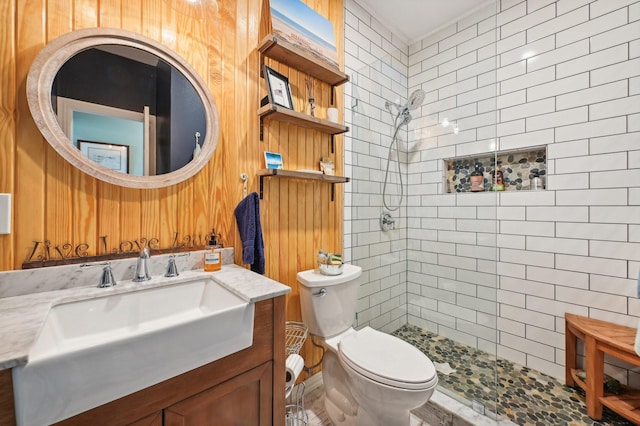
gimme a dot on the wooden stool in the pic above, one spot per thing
(601, 337)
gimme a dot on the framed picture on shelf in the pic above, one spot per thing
(110, 155)
(273, 160)
(278, 89)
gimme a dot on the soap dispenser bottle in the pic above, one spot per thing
(212, 254)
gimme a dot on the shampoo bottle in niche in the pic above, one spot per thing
(498, 179)
(212, 254)
(477, 179)
(536, 182)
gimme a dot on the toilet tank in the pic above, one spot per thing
(328, 302)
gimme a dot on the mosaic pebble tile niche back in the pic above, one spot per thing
(518, 168)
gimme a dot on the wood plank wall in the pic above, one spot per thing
(54, 201)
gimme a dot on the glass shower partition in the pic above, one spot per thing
(426, 242)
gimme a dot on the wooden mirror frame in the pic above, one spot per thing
(43, 72)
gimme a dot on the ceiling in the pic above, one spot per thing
(414, 19)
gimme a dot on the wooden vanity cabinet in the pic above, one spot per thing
(244, 388)
(244, 397)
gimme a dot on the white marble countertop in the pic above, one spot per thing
(21, 317)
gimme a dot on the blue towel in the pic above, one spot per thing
(248, 218)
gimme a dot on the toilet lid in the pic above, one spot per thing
(387, 359)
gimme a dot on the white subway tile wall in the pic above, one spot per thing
(516, 74)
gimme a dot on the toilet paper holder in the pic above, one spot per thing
(295, 336)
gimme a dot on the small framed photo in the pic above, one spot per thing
(273, 160)
(278, 89)
(110, 155)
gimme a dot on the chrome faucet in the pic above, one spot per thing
(106, 278)
(172, 269)
(142, 268)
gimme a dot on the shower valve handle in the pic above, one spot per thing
(387, 221)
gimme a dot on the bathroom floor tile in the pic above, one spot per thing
(523, 395)
(309, 396)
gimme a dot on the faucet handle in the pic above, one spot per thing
(172, 269)
(107, 279)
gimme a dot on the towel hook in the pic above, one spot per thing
(244, 178)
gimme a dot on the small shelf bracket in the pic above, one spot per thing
(333, 143)
(261, 129)
(261, 187)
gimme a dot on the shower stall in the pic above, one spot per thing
(428, 255)
(476, 272)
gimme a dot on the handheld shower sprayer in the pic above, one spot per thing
(414, 101)
(403, 117)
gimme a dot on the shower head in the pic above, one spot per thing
(415, 100)
(403, 118)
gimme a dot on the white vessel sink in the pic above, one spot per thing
(94, 351)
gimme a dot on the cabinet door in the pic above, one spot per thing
(7, 414)
(154, 419)
(244, 400)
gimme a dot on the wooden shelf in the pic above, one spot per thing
(286, 115)
(284, 52)
(292, 174)
(626, 403)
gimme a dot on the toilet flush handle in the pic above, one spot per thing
(323, 292)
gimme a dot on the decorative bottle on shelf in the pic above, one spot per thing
(498, 179)
(311, 106)
(477, 179)
(212, 254)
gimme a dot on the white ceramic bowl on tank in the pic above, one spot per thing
(328, 302)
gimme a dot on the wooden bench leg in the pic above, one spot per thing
(595, 377)
(570, 354)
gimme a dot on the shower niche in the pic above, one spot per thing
(519, 168)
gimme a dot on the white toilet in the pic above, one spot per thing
(370, 378)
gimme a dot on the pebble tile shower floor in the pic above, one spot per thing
(524, 396)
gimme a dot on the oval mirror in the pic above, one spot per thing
(122, 108)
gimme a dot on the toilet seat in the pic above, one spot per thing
(388, 360)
